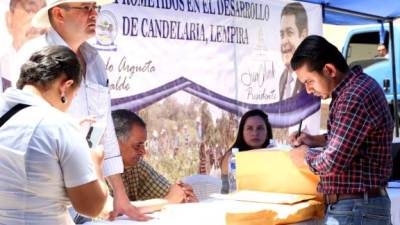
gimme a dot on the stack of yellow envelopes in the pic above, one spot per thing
(274, 172)
(263, 217)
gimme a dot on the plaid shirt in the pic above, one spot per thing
(357, 156)
(142, 182)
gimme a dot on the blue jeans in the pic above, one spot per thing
(361, 211)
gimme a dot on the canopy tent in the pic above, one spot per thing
(359, 12)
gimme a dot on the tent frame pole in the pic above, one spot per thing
(391, 33)
(394, 76)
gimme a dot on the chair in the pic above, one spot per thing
(203, 185)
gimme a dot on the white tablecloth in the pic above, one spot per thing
(209, 212)
(200, 213)
(394, 194)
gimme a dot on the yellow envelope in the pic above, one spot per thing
(263, 217)
(301, 212)
(274, 171)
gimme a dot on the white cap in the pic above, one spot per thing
(41, 18)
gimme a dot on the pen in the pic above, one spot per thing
(299, 131)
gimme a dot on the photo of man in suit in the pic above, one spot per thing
(294, 28)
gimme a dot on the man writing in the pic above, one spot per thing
(141, 181)
(355, 163)
(72, 23)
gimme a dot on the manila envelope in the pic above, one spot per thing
(263, 217)
(274, 171)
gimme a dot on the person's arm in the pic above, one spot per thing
(88, 199)
(113, 167)
(176, 194)
(190, 196)
(154, 185)
(82, 171)
(307, 139)
(348, 131)
(121, 202)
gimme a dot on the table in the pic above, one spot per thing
(211, 212)
(394, 194)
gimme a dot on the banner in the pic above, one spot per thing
(224, 52)
(193, 67)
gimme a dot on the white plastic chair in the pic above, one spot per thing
(203, 185)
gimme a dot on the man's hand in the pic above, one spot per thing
(122, 206)
(189, 194)
(296, 139)
(121, 203)
(306, 139)
(176, 194)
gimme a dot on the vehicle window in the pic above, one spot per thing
(363, 47)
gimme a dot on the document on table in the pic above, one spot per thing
(264, 197)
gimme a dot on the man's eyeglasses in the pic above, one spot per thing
(87, 8)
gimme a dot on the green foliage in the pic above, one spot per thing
(185, 163)
(176, 130)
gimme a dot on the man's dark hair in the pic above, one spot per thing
(299, 13)
(123, 121)
(316, 51)
(239, 142)
(47, 65)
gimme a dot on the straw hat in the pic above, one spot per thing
(41, 18)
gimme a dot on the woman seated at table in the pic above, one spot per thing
(254, 132)
(45, 161)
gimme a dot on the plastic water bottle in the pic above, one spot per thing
(232, 171)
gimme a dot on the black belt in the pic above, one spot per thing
(333, 198)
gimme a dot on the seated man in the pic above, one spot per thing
(141, 181)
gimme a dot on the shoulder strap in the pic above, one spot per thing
(11, 113)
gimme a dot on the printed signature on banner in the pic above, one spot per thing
(126, 72)
(131, 69)
(256, 81)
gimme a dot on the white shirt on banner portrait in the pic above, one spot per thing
(311, 124)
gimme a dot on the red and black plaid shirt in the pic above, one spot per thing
(357, 156)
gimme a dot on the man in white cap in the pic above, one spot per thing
(72, 23)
